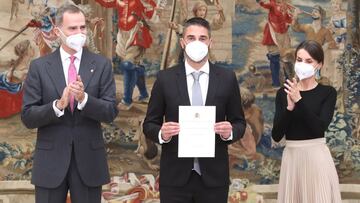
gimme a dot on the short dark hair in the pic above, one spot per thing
(69, 8)
(314, 49)
(197, 21)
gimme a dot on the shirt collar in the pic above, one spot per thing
(64, 55)
(188, 69)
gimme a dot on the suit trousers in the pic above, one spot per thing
(194, 192)
(79, 192)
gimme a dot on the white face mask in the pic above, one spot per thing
(304, 70)
(196, 50)
(76, 41)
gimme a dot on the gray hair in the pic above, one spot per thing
(66, 8)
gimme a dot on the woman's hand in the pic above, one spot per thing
(290, 103)
(293, 93)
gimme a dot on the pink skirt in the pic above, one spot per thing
(308, 173)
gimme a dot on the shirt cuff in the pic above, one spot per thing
(229, 138)
(81, 105)
(161, 141)
(57, 111)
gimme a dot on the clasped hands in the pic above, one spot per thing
(76, 89)
(170, 129)
(293, 93)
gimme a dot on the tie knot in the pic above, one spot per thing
(72, 58)
(196, 75)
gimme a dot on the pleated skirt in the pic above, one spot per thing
(308, 173)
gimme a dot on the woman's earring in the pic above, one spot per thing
(317, 74)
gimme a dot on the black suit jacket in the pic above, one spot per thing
(81, 131)
(168, 93)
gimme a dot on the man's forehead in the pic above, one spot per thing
(74, 19)
(70, 15)
(196, 30)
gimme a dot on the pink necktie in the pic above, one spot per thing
(72, 78)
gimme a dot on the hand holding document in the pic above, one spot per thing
(197, 136)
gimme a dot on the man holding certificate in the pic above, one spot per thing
(194, 112)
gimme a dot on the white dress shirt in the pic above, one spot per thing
(65, 60)
(203, 79)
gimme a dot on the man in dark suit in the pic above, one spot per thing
(66, 95)
(194, 180)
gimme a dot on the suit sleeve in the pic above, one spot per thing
(103, 108)
(234, 112)
(155, 112)
(34, 113)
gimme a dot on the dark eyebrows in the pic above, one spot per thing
(193, 36)
(307, 59)
(189, 37)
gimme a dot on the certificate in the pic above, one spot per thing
(197, 135)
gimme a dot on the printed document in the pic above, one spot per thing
(197, 135)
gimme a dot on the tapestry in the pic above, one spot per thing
(239, 32)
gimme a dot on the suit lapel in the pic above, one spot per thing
(56, 72)
(182, 85)
(213, 84)
(87, 68)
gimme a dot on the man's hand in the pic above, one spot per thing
(223, 129)
(169, 129)
(77, 89)
(63, 102)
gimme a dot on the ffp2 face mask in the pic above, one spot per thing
(196, 50)
(304, 70)
(76, 41)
